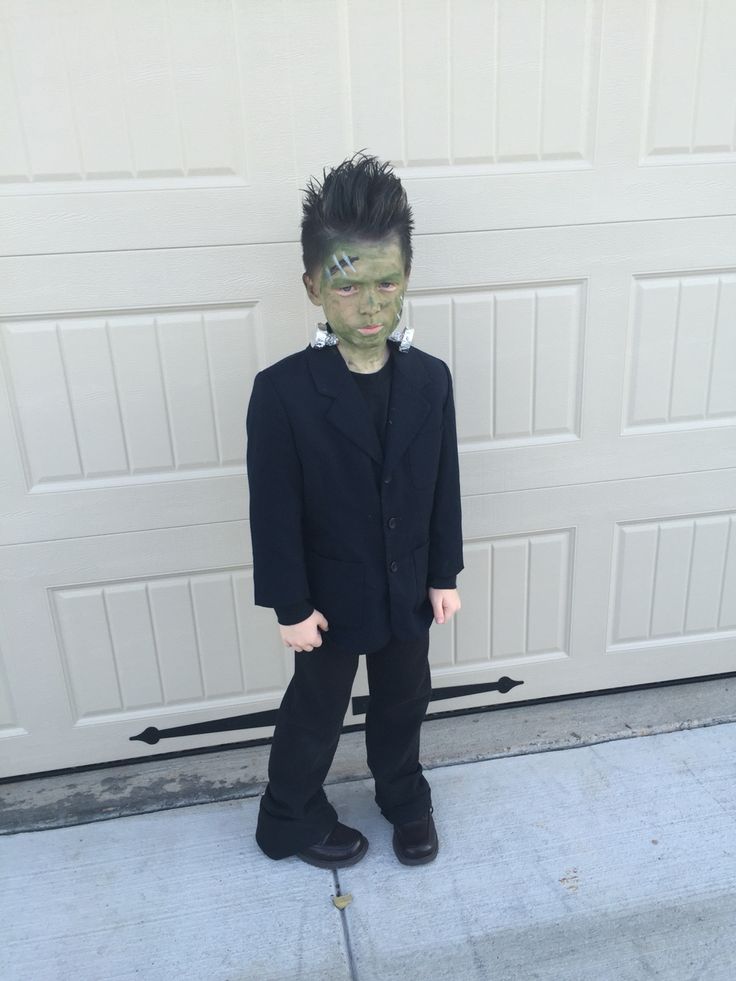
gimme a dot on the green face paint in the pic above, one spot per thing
(360, 286)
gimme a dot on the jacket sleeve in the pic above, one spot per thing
(276, 501)
(445, 529)
(288, 615)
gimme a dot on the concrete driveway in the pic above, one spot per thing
(606, 862)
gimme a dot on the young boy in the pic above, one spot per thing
(355, 522)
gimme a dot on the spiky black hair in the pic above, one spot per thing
(360, 198)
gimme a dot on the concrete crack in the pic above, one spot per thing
(346, 930)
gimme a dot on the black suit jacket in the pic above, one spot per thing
(333, 521)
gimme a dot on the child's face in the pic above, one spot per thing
(361, 285)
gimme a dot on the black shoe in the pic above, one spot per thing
(415, 842)
(342, 846)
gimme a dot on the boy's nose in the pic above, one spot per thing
(370, 301)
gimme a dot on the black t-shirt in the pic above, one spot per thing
(376, 389)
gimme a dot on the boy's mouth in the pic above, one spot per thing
(370, 329)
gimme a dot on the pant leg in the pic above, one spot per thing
(400, 685)
(294, 811)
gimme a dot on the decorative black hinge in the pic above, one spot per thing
(257, 720)
(504, 684)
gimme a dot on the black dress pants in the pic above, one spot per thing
(294, 810)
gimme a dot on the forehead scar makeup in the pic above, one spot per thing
(347, 260)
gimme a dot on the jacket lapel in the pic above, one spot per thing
(408, 407)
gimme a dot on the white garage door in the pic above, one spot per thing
(573, 172)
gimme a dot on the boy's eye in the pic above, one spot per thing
(387, 287)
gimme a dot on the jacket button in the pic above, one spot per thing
(387, 480)
(394, 566)
(391, 522)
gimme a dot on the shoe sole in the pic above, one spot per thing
(415, 861)
(336, 863)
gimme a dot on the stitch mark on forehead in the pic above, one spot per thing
(339, 264)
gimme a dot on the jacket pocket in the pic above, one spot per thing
(337, 588)
(424, 456)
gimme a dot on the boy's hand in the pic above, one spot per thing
(444, 602)
(304, 636)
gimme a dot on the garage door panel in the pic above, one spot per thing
(625, 593)
(675, 580)
(517, 607)
(154, 397)
(153, 628)
(682, 352)
(141, 411)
